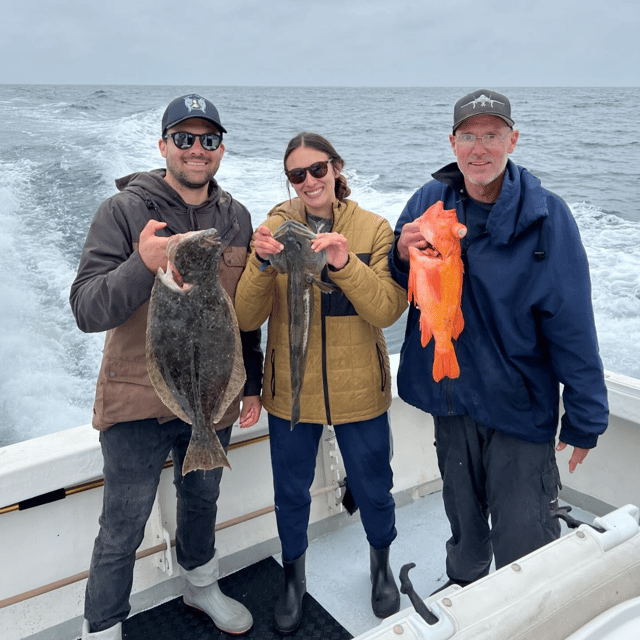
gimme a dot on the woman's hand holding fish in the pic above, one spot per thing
(335, 246)
(153, 248)
(264, 243)
(251, 407)
(410, 236)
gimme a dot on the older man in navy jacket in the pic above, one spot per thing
(528, 327)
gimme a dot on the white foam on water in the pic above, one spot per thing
(388, 205)
(48, 382)
(258, 183)
(43, 381)
(612, 244)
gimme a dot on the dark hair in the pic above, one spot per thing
(316, 141)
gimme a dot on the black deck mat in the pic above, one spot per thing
(257, 587)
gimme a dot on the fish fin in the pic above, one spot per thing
(413, 289)
(155, 376)
(425, 330)
(326, 287)
(445, 362)
(458, 323)
(205, 455)
(434, 284)
(238, 374)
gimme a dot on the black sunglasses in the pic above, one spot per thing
(185, 140)
(317, 170)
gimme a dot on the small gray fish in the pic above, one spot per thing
(194, 353)
(303, 266)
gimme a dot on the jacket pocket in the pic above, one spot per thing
(550, 485)
(383, 369)
(128, 371)
(231, 268)
(235, 256)
(124, 393)
(272, 384)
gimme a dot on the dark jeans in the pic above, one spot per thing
(134, 454)
(366, 451)
(484, 473)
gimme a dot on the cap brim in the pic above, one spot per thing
(509, 121)
(196, 117)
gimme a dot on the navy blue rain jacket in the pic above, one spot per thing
(528, 319)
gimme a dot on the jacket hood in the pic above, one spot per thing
(167, 204)
(521, 203)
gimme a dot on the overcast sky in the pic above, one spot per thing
(322, 42)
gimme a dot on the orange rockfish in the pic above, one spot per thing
(435, 285)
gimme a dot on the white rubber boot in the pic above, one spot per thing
(202, 592)
(112, 633)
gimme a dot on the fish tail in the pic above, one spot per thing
(205, 454)
(445, 363)
(295, 413)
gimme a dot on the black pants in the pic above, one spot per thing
(487, 473)
(134, 455)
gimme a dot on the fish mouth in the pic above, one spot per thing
(431, 251)
(293, 229)
(172, 278)
(174, 274)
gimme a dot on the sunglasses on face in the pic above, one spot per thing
(317, 170)
(184, 140)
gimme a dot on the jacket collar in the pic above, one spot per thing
(157, 187)
(166, 205)
(520, 205)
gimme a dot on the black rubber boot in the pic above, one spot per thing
(287, 614)
(385, 597)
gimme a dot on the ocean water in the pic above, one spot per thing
(62, 147)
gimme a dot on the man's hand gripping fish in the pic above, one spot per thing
(435, 285)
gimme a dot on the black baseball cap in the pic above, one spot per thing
(190, 106)
(482, 101)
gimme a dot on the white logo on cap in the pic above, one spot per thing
(195, 102)
(483, 101)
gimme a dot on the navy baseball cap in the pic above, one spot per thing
(190, 106)
(482, 101)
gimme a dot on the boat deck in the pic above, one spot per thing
(337, 606)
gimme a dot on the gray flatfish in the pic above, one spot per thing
(302, 266)
(194, 353)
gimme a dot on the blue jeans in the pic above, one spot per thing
(366, 451)
(486, 472)
(134, 455)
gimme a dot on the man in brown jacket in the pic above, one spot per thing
(125, 246)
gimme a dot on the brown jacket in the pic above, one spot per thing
(347, 376)
(112, 288)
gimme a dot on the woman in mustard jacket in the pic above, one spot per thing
(347, 379)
